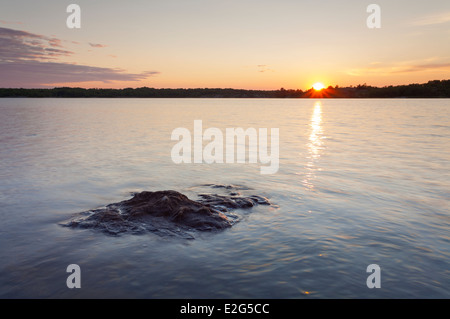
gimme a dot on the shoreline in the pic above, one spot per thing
(431, 89)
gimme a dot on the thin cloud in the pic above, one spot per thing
(10, 22)
(380, 69)
(38, 74)
(264, 68)
(424, 67)
(55, 42)
(97, 45)
(32, 60)
(438, 18)
(20, 45)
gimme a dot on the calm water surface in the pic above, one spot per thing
(360, 182)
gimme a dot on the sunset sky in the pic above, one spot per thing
(248, 44)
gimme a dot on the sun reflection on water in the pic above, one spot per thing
(315, 138)
(315, 146)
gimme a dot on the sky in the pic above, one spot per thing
(246, 44)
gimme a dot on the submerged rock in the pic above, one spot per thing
(167, 213)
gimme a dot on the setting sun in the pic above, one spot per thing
(318, 86)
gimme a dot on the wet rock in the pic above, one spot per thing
(235, 187)
(232, 201)
(166, 213)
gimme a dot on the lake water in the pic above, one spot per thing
(360, 182)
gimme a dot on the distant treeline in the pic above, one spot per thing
(432, 89)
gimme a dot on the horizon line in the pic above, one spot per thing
(336, 86)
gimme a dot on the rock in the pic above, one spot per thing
(166, 212)
(175, 207)
(233, 201)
